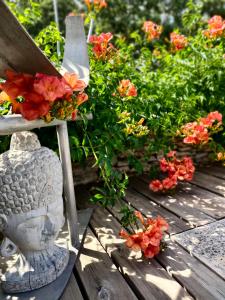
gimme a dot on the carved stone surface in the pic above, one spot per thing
(31, 213)
(207, 243)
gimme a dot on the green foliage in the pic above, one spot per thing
(173, 87)
(27, 12)
(167, 12)
(4, 143)
(128, 217)
(47, 40)
(114, 186)
(46, 6)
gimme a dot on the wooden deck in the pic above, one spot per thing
(106, 269)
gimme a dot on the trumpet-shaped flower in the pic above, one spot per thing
(177, 169)
(147, 240)
(32, 111)
(178, 41)
(50, 87)
(199, 132)
(101, 46)
(152, 30)
(127, 89)
(216, 26)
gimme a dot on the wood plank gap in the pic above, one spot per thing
(201, 261)
(210, 183)
(199, 198)
(99, 275)
(114, 260)
(214, 170)
(80, 283)
(152, 209)
(193, 216)
(72, 291)
(198, 279)
(149, 277)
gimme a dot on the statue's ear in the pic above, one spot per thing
(3, 222)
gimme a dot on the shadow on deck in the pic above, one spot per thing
(106, 269)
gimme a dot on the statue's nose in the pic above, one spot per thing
(49, 226)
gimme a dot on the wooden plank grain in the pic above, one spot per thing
(99, 275)
(214, 170)
(150, 209)
(147, 278)
(198, 280)
(17, 49)
(210, 183)
(204, 200)
(72, 291)
(199, 198)
(176, 204)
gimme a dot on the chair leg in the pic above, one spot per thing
(71, 210)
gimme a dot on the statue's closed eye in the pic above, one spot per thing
(33, 223)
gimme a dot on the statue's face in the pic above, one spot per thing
(37, 229)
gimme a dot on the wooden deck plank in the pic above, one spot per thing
(99, 275)
(199, 198)
(72, 291)
(143, 276)
(209, 182)
(151, 209)
(206, 201)
(147, 277)
(192, 274)
(176, 204)
(214, 170)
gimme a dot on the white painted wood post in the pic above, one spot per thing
(75, 60)
(91, 28)
(68, 184)
(56, 14)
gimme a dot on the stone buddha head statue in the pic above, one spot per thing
(31, 213)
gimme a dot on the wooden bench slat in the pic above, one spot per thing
(99, 275)
(175, 204)
(198, 279)
(72, 291)
(146, 277)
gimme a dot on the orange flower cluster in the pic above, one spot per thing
(216, 26)
(152, 30)
(221, 156)
(36, 96)
(178, 41)
(127, 89)
(149, 239)
(199, 132)
(102, 48)
(177, 169)
(96, 4)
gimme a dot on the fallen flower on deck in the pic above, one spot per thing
(149, 238)
(177, 170)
